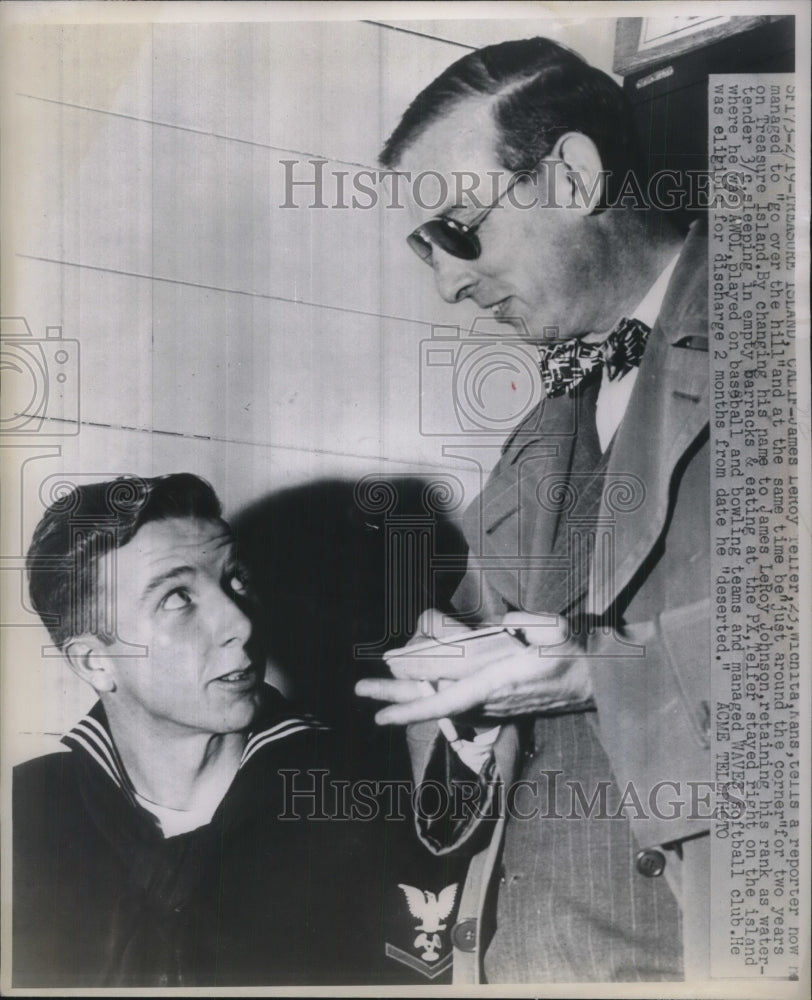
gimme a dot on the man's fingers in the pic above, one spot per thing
(454, 700)
(458, 662)
(431, 668)
(385, 689)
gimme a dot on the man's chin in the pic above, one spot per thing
(240, 715)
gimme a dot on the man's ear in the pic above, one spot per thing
(87, 658)
(583, 170)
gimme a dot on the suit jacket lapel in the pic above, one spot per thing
(506, 525)
(541, 445)
(668, 410)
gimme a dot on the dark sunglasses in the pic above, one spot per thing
(456, 238)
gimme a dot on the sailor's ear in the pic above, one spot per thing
(88, 657)
(583, 169)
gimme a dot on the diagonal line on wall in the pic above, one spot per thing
(196, 131)
(413, 464)
(420, 34)
(227, 291)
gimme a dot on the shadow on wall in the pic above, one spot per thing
(342, 571)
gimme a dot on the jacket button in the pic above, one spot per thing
(650, 863)
(463, 935)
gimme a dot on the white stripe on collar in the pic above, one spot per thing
(91, 736)
(280, 731)
(89, 744)
(94, 739)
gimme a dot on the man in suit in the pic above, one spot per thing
(590, 539)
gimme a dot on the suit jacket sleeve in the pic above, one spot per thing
(472, 801)
(653, 713)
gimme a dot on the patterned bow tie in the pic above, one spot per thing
(564, 365)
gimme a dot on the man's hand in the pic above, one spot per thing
(549, 674)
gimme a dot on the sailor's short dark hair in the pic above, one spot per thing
(89, 520)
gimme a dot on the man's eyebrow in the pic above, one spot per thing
(163, 578)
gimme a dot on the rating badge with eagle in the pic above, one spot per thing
(432, 955)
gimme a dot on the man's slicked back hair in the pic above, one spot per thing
(540, 90)
(84, 524)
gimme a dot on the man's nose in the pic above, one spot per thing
(234, 625)
(454, 277)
